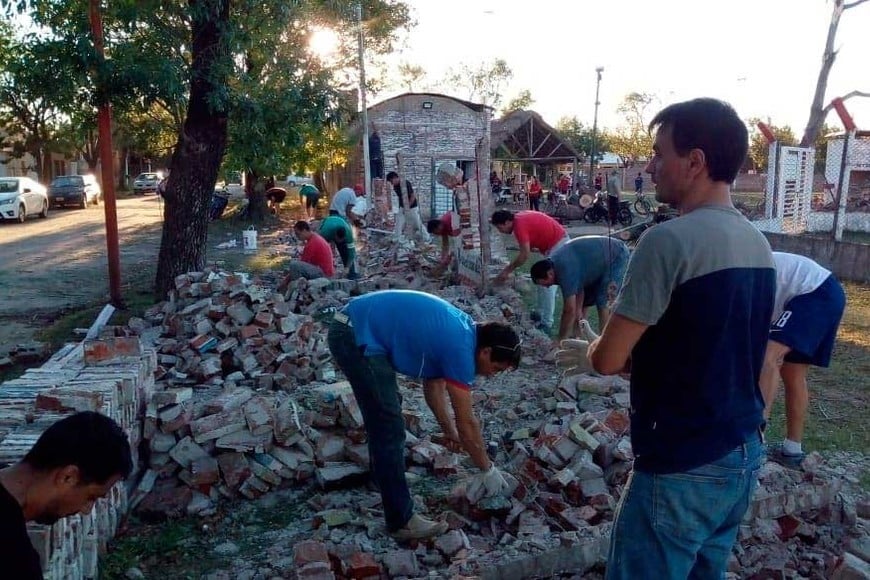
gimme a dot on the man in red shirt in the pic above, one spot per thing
(316, 259)
(534, 231)
(447, 226)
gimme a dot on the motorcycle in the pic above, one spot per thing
(501, 195)
(598, 211)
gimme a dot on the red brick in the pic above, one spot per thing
(249, 331)
(788, 526)
(362, 565)
(234, 468)
(618, 422)
(263, 319)
(309, 551)
(110, 348)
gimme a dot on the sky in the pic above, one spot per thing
(762, 56)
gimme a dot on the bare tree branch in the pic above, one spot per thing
(830, 106)
(854, 3)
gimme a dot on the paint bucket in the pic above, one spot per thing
(249, 239)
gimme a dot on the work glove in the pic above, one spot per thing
(571, 358)
(586, 331)
(485, 484)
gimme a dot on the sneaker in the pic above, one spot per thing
(419, 528)
(791, 461)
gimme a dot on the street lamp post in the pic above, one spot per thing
(598, 70)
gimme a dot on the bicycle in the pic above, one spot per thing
(642, 205)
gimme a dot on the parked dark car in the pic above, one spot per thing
(76, 190)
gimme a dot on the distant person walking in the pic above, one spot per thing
(408, 212)
(638, 183)
(535, 191)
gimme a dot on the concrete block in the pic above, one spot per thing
(240, 313)
(246, 442)
(401, 563)
(186, 452)
(217, 425)
(258, 415)
(172, 396)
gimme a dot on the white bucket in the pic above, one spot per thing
(249, 239)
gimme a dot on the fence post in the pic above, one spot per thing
(841, 199)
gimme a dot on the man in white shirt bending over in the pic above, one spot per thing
(807, 312)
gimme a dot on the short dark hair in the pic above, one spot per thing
(540, 269)
(712, 126)
(392, 175)
(302, 226)
(502, 216)
(432, 226)
(502, 340)
(92, 442)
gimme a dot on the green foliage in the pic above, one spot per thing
(523, 101)
(758, 146)
(410, 75)
(632, 141)
(481, 84)
(580, 136)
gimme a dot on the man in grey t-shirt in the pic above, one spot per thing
(588, 270)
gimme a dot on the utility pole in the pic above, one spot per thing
(362, 98)
(592, 157)
(104, 125)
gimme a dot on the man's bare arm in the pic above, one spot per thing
(435, 391)
(609, 354)
(569, 315)
(468, 425)
(519, 260)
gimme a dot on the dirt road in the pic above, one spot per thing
(53, 264)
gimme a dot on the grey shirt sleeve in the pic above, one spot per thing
(651, 278)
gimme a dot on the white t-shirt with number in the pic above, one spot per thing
(795, 275)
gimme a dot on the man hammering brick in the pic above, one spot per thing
(699, 290)
(438, 343)
(809, 305)
(73, 464)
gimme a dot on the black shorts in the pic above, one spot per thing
(276, 195)
(311, 201)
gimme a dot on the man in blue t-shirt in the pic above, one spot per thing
(422, 336)
(588, 270)
(693, 316)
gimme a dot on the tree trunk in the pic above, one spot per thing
(199, 151)
(256, 191)
(817, 110)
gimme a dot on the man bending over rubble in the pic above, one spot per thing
(588, 270)
(809, 305)
(73, 464)
(534, 231)
(693, 314)
(422, 336)
(315, 261)
(447, 227)
(336, 230)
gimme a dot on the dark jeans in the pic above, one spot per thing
(535, 203)
(348, 257)
(612, 207)
(374, 385)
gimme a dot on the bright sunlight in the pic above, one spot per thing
(323, 42)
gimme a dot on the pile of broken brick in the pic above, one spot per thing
(247, 401)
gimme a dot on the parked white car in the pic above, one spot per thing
(294, 180)
(21, 197)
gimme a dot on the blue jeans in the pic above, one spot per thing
(373, 380)
(683, 525)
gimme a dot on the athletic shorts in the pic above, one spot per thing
(809, 322)
(311, 201)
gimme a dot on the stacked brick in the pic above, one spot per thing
(112, 375)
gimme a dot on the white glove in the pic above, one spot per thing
(486, 484)
(571, 358)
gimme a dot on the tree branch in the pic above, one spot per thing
(830, 106)
(852, 4)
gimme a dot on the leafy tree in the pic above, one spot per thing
(410, 75)
(580, 136)
(818, 110)
(523, 101)
(758, 146)
(483, 83)
(632, 141)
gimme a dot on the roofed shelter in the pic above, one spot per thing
(524, 137)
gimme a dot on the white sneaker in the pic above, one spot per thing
(419, 528)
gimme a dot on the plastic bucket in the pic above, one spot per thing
(249, 239)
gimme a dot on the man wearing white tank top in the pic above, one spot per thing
(807, 311)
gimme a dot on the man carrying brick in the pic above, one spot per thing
(73, 464)
(447, 227)
(409, 209)
(336, 230)
(809, 305)
(693, 315)
(315, 261)
(534, 231)
(441, 345)
(589, 270)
